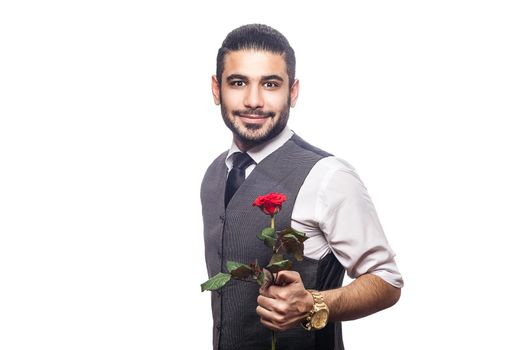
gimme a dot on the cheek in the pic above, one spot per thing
(276, 101)
(231, 99)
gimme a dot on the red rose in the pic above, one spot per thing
(270, 203)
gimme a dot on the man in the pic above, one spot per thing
(255, 86)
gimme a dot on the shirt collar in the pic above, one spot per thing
(259, 152)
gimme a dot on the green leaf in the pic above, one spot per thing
(267, 278)
(266, 232)
(270, 232)
(258, 274)
(238, 270)
(232, 265)
(268, 236)
(255, 266)
(270, 242)
(260, 278)
(293, 245)
(216, 282)
(276, 258)
(301, 237)
(279, 266)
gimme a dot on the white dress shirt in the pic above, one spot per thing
(334, 210)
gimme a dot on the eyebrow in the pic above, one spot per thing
(236, 76)
(244, 77)
(273, 77)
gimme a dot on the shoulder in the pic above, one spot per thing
(335, 180)
(218, 164)
(219, 160)
(328, 168)
(305, 146)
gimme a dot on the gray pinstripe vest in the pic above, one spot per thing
(231, 235)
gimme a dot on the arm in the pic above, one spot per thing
(343, 213)
(364, 296)
(286, 304)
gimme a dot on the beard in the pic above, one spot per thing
(254, 134)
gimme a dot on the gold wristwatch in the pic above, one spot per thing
(317, 317)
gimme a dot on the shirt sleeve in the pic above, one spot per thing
(346, 215)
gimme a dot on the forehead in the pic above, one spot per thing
(254, 63)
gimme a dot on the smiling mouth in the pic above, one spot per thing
(251, 116)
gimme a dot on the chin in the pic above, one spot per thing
(254, 133)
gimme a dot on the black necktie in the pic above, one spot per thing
(236, 175)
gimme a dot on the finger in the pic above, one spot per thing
(270, 325)
(286, 277)
(271, 292)
(278, 310)
(276, 321)
(279, 292)
(264, 313)
(267, 303)
(272, 317)
(265, 292)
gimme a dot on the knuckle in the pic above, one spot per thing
(280, 309)
(284, 294)
(302, 308)
(293, 274)
(280, 319)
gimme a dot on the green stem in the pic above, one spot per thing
(273, 226)
(273, 333)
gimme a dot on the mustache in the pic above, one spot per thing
(257, 112)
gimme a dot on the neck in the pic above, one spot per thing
(244, 146)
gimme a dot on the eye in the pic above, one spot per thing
(271, 85)
(237, 83)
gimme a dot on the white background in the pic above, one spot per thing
(108, 124)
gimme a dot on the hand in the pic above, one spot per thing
(284, 304)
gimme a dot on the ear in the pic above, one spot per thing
(216, 90)
(294, 93)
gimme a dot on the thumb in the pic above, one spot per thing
(286, 277)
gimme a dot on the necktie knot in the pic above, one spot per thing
(242, 160)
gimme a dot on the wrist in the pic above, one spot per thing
(317, 317)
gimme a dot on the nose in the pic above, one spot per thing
(253, 98)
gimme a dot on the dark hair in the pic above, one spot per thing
(257, 37)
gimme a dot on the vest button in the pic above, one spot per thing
(218, 327)
(221, 218)
(219, 254)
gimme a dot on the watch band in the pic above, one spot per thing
(319, 307)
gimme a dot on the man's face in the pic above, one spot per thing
(255, 97)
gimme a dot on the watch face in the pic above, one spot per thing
(319, 319)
